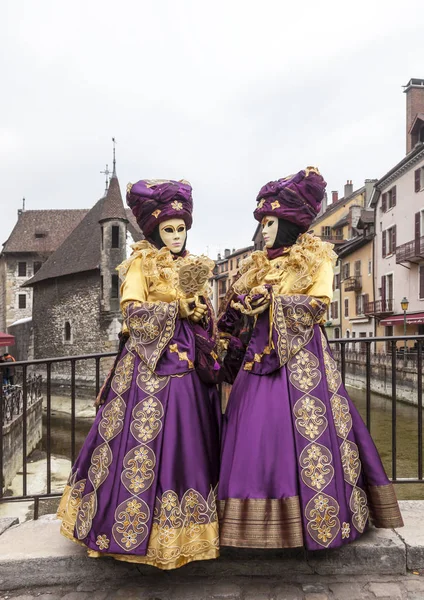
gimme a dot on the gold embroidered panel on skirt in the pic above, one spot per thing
(349, 452)
(123, 374)
(69, 505)
(148, 381)
(130, 528)
(304, 372)
(310, 416)
(109, 427)
(183, 529)
(315, 460)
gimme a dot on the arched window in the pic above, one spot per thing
(348, 333)
(68, 332)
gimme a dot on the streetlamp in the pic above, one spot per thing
(404, 304)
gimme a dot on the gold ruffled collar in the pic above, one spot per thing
(164, 269)
(303, 259)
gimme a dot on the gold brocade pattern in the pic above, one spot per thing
(123, 374)
(317, 470)
(349, 452)
(151, 326)
(310, 420)
(110, 426)
(130, 527)
(315, 460)
(183, 528)
(147, 422)
(181, 355)
(69, 505)
(304, 372)
(112, 419)
(138, 469)
(323, 523)
(148, 381)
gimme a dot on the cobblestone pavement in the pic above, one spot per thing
(168, 587)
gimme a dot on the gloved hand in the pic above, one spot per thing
(199, 311)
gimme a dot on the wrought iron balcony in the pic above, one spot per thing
(353, 284)
(412, 252)
(379, 308)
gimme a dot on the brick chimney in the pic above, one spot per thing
(348, 188)
(334, 196)
(414, 91)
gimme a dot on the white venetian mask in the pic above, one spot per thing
(173, 234)
(269, 230)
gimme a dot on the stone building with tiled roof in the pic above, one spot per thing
(76, 291)
(36, 235)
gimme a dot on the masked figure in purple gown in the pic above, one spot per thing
(143, 488)
(298, 466)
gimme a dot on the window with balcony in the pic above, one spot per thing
(346, 271)
(388, 240)
(357, 268)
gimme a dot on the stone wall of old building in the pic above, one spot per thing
(70, 307)
(11, 281)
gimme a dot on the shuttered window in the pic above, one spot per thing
(357, 268)
(384, 202)
(383, 244)
(422, 282)
(346, 307)
(417, 180)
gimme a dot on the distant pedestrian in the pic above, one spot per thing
(9, 372)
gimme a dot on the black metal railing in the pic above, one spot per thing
(353, 284)
(379, 307)
(22, 368)
(412, 251)
(13, 398)
(341, 354)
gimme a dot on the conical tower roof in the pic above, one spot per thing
(113, 207)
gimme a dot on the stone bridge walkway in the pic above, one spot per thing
(36, 562)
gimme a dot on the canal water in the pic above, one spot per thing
(381, 430)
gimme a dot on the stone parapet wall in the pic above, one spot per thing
(12, 440)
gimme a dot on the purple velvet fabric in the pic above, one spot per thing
(153, 203)
(265, 446)
(296, 198)
(180, 432)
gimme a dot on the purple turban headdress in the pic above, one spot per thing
(296, 198)
(153, 201)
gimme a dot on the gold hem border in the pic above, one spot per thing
(261, 523)
(384, 508)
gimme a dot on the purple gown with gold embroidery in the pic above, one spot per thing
(299, 467)
(144, 484)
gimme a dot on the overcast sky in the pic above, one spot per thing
(228, 94)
